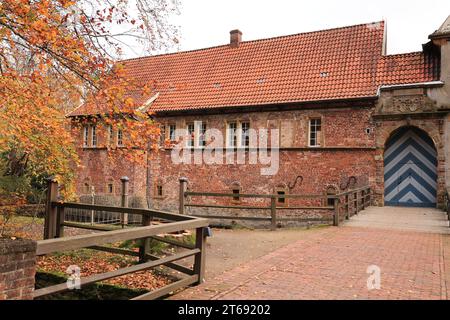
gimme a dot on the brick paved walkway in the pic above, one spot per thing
(332, 263)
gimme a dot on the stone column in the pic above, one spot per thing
(17, 269)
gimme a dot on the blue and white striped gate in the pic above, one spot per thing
(410, 169)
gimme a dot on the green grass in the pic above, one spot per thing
(80, 254)
(26, 220)
(89, 292)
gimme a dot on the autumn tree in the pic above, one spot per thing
(57, 54)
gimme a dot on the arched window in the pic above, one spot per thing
(110, 187)
(331, 192)
(282, 190)
(158, 191)
(87, 186)
(236, 190)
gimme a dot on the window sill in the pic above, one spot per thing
(94, 148)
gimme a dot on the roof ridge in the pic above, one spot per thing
(256, 40)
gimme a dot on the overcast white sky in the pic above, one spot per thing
(206, 23)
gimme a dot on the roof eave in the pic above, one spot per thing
(429, 84)
(245, 108)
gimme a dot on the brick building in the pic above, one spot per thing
(346, 113)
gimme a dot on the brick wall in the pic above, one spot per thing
(100, 169)
(348, 150)
(17, 269)
(352, 146)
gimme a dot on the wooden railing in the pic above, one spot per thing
(55, 242)
(447, 203)
(349, 202)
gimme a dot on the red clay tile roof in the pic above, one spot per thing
(332, 64)
(405, 69)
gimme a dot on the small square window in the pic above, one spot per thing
(236, 192)
(281, 200)
(159, 191)
(110, 188)
(330, 202)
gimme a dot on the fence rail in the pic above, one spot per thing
(345, 205)
(447, 203)
(55, 242)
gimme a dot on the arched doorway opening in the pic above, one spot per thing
(410, 169)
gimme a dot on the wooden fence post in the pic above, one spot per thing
(336, 212)
(355, 196)
(51, 211)
(124, 203)
(182, 198)
(59, 222)
(92, 202)
(144, 248)
(199, 260)
(363, 194)
(273, 213)
(347, 208)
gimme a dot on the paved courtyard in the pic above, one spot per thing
(332, 263)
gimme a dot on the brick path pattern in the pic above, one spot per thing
(332, 263)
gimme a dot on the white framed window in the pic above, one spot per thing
(190, 127)
(232, 134)
(315, 132)
(110, 134)
(245, 134)
(172, 130)
(238, 134)
(93, 136)
(196, 134)
(120, 138)
(162, 135)
(202, 135)
(85, 136)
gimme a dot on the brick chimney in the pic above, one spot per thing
(235, 38)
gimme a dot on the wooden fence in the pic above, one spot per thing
(345, 205)
(447, 203)
(55, 242)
